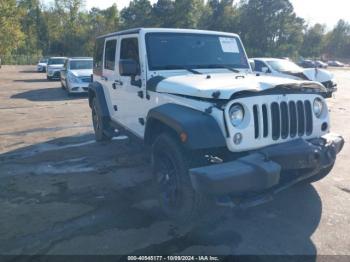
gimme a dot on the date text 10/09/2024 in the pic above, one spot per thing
(173, 258)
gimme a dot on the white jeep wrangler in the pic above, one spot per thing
(214, 128)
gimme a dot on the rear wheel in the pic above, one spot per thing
(103, 132)
(177, 198)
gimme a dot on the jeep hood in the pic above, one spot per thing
(81, 72)
(204, 86)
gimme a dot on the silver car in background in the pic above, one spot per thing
(76, 74)
(54, 67)
(288, 69)
(42, 65)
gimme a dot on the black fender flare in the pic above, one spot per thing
(201, 129)
(96, 90)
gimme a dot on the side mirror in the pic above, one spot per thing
(128, 67)
(265, 70)
(252, 64)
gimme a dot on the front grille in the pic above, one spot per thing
(57, 74)
(86, 79)
(283, 120)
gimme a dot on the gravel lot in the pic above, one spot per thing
(62, 193)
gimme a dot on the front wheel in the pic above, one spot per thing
(103, 132)
(177, 198)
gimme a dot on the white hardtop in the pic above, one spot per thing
(80, 58)
(144, 31)
(188, 31)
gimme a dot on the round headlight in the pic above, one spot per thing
(318, 107)
(236, 114)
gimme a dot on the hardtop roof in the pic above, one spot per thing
(165, 30)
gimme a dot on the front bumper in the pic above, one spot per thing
(54, 74)
(331, 87)
(41, 68)
(78, 87)
(272, 168)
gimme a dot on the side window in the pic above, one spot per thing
(110, 52)
(259, 65)
(130, 49)
(98, 55)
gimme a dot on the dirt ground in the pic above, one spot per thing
(62, 193)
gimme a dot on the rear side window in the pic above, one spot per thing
(98, 55)
(259, 65)
(130, 49)
(110, 51)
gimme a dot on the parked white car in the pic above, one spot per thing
(76, 74)
(284, 68)
(213, 129)
(54, 67)
(42, 65)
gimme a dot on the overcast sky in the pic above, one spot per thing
(313, 11)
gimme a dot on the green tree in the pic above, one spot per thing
(220, 15)
(33, 27)
(270, 27)
(338, 40)
(163, 13)
(137, 14)
(313, 43)
(187, 14)
(11, 36)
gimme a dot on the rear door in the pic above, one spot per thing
(109, 74)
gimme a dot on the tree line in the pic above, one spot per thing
(267, 27)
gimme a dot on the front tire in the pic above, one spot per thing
(171, 163)
(103, 132)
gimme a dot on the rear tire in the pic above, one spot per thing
(322, 174)
(102, 129)
(171, 163)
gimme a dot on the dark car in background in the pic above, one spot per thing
(307, 64)
(335, 63)
(321, 64)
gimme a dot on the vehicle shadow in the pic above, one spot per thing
(47, 94)
(30, 72)
(113, 179)
(41, 80)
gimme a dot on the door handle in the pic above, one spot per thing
(117, 82)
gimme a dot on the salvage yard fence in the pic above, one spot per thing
(20, 59)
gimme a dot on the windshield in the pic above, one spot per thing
(56, 61)
(180, 50)
(44, 60)
(284, 66)
(80, 64)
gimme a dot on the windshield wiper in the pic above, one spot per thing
(189, 69)
(223, 66)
